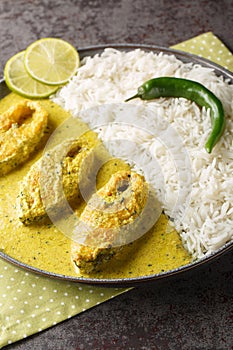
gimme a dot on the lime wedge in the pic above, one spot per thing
(19, 81)
(51, 61)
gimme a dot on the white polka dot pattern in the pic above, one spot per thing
(30, 303)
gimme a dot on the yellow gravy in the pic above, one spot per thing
(43, 246)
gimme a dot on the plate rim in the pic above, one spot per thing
(132, 281)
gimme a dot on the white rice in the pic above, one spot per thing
(164, 137)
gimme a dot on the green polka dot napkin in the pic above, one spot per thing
(30, 303)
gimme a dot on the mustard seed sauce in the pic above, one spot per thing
(43, 246)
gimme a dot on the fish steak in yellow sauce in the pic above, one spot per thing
(21, 128)
(109, 220)
(32, 197)
(43, 246)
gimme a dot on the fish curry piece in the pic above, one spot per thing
(110, 221)
(55, 179)
(21, 128)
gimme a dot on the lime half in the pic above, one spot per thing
(51, 61)
(19, 81)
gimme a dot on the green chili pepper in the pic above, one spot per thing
(191, 90)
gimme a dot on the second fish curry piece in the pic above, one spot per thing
(53, 179)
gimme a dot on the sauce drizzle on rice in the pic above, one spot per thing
(202, 182)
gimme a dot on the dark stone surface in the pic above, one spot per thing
(194, 311)
(91, 22)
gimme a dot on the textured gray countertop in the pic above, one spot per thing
(194, 311)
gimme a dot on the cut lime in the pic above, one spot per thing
(19, 81)
(51, 61)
